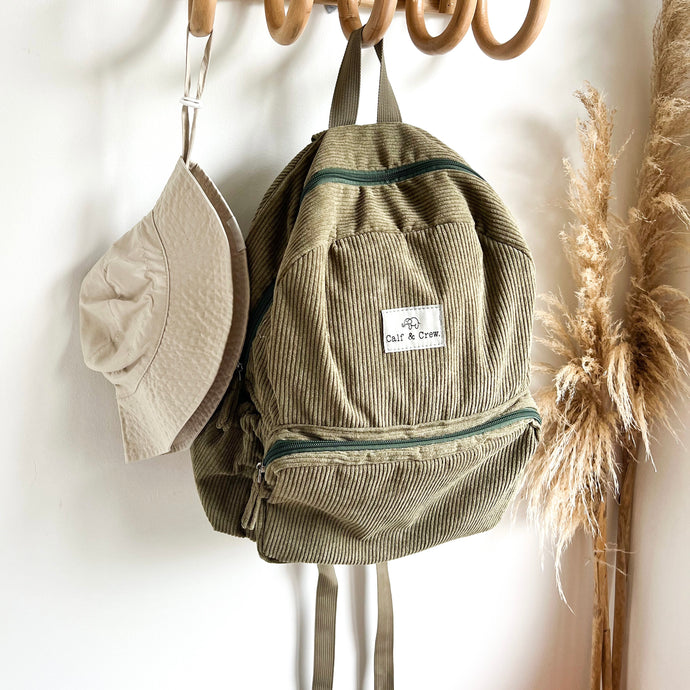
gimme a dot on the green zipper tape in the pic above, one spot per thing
(281, 448)
(254, 321)
(372, 178)
(367, 178)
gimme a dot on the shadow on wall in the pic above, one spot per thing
(103, 515)
(147, 510)
(79, 48)
(245, 184)
(564, 656)
(539, 183)
(538, 197)
(136, 35)
(243, 190)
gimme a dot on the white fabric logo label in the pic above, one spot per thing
(413, 328)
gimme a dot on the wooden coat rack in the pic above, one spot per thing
(285, 28)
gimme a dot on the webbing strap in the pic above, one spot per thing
(346, 95)
(324, 629)
(192, 103)
(383, 650)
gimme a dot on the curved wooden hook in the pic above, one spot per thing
(523, 39)
(379, 20)
(286, 29)
(201, 14)
(449, 37)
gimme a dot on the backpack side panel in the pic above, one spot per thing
(225, 454)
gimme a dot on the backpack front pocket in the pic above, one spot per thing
(404, 297)
(365, 500)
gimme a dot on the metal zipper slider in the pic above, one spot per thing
(253, 507)
(260, 472)
(240, 371)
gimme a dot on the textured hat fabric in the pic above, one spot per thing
(240, 312)
(157, 314)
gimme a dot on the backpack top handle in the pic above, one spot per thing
(346, 95)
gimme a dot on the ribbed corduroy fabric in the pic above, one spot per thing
(367, 507)
(344, 437)
(334, 258)
(226, 452)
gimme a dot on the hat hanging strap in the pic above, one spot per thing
(192, 103)
(346, 95)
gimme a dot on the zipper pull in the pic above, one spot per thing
(251, 510)
(240, 371)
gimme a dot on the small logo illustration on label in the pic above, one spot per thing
(411, 322)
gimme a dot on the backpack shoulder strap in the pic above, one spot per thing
(324, 629)
(383, 647)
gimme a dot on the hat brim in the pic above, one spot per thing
(240, 313)
(199, 315)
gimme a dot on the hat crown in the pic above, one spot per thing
(123, 304)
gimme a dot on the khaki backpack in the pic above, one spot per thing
(381, 405)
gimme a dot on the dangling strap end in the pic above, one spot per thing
(383, 650)
(324, 628)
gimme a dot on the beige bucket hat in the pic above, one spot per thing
(163, 313)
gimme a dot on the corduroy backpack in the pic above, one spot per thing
(381, 405)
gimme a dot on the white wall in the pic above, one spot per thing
(111, 576)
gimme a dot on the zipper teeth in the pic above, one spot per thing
(389, 176)
(282, 448)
